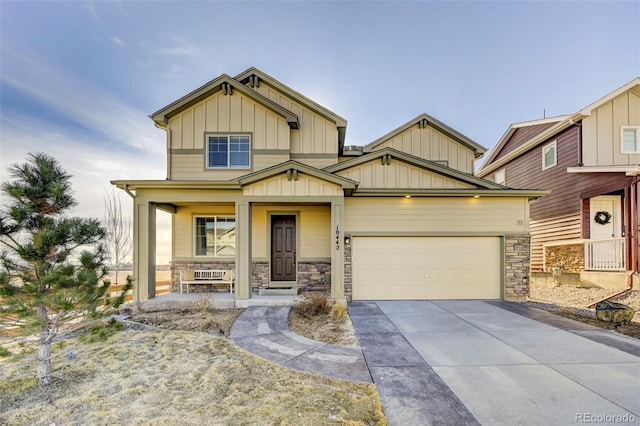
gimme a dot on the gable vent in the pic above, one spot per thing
(422, 124)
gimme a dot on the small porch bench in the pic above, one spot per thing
(209, 276)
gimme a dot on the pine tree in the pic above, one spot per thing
(52, 265)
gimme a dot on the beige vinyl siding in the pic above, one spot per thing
(317, 135)
(314, 230)
(419, 216)
(602, 131)
(398, 175)
(431, 144)
(220, 114)
(562, 228)
(305, 185)
(184, 227)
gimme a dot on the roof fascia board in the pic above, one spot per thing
(532, 143)
(507, 135)
(317, 108)
(433, 122)
(300, 167)
(416, 161)
(174, 184)
(397, 192)
(630, 85)
(162, 116)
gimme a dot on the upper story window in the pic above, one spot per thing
(500, 177)
(630, 140)
(228, 151)
(549, 155)
(215, 236)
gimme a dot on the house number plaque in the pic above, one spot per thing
(337, 237)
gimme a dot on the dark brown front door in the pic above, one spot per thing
(283, 248)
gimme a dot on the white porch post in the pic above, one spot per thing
(243, 250)
(144, 251)
(337, 250)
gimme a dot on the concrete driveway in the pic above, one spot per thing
(495, 363)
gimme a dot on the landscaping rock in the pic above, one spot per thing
(613, 312)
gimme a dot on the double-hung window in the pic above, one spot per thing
(228, 151)
(630, 139)
(549, 155)
(215, 236)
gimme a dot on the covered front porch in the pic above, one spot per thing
(217, 300)
(280, 228)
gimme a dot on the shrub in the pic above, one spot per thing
(202, 302)
(4, 352)
(338, 312)
(312, 304)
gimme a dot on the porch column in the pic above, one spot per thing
(144, 251)
(243, 250)
(337, 250)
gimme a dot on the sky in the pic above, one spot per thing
(78, 79)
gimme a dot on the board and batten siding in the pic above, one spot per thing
(431, 144)
(398, 175)
(561, 228)
(221, 113)
(317, 135)
(314, 226)
(304, 185)
(184, 228)
(436, 216)
(602, 131)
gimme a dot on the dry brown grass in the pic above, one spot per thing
(177, 377)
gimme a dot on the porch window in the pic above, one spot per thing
(630, 140)
(215, 236)
(549, 155)
(228, 151)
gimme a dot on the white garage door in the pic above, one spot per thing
(387, 268)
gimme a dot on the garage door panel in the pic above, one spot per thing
(397, 268)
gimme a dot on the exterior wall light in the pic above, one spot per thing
(347, 239)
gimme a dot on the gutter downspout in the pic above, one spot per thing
(168, 148)
(128, 191)
(579, 125)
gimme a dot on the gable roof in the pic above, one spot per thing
(340, 122)
(291, 165)
(477, 149)
(564, 121)
(415, 161)
(223, 82)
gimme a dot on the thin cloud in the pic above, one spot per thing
(117, 40)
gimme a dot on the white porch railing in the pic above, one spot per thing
(605, 255)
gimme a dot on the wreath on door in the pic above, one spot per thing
(602, 217)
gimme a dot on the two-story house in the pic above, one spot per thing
(586, 230)
(259, 181)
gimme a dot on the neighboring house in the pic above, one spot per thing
(259, 180)
(587, 229)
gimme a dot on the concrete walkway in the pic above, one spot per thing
(495, 363)
(265, 332)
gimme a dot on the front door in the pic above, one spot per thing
(283, 248)
(606, 217)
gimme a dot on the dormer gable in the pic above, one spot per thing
(428, 138)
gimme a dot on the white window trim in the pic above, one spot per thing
(637, 129)
(229, 166)
(502, 173)
(195, 235)
(553, 145)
